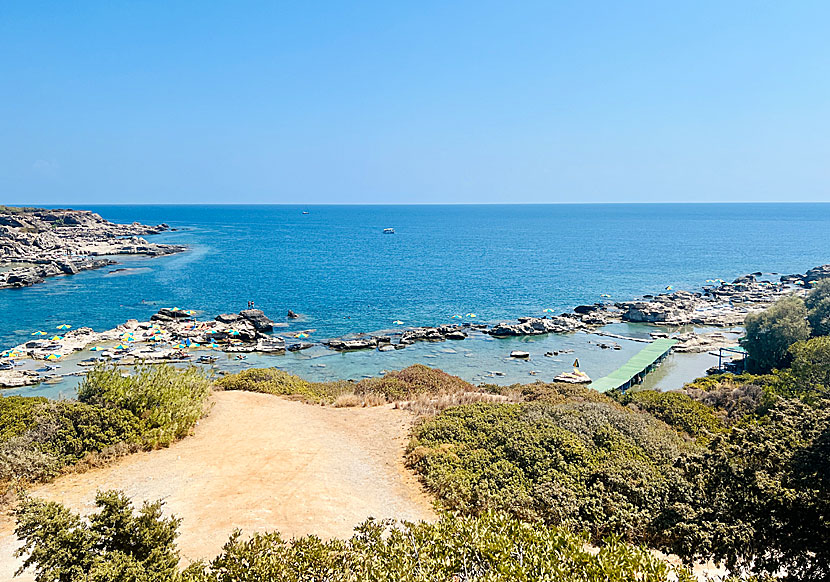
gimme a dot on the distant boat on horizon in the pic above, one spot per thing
(388, 231)
(305, 211)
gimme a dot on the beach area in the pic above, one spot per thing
(602, 335)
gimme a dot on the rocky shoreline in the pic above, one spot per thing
(172, 332)
(37, 243)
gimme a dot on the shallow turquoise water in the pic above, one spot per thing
(336, 268)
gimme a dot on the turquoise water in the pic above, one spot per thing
(336, 268)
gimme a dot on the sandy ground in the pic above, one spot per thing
(258, 463)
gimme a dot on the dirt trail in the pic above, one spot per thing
(258, 463)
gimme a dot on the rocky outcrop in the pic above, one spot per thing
(39, 243)
(258, 319)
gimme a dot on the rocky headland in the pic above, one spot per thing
(36, 243)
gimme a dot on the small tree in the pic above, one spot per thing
(115, 545)
(770, 334)
(818, 308)
(810, 369)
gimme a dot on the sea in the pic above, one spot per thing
(335, 267)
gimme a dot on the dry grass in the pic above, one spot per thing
(431, 404)
(349, 400)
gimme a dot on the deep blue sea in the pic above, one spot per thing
(335, 266)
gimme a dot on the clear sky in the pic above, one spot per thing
(391, 102)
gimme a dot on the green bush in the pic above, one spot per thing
(553, 392)
(489, 548)
(118, 545)
(818, 308)
(166, 401)
(280, 383)
(677, 409)
(59, 434)
(114, 545)
(809, 372)
(770, 333)
(594, 467)
(760, 496)
(409, 382)
(401, 385)
(17, 414)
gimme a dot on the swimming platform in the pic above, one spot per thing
(635, 369)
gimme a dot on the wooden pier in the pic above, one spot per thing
(633, 371)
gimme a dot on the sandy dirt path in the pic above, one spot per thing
(258, 463)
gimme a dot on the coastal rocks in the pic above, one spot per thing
(270, 345)
(170, 314)
(18, 378)
(292, 315)
(228, 318)
(258, 319)
(38, 243)
(536, 326)
(347, 345)
(300, 346)
(809, 278)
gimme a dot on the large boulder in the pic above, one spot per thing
(258, 319)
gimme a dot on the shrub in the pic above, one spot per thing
(761, 495)
(281, 383)
(166, 401)
(818, 308)
(594, 467)
(490, 548)
(810, 368)
(60, 434)
(115, 545)
(677, 409)
(393, 386)
(416, 379)
(553, 392)
(770, 333)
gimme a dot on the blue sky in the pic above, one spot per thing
(386, 102)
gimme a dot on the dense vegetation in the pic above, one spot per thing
(393, 386)
(118, 545)
(771, 333)
(114, 415)
(733, 468)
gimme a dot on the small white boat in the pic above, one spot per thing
(388, 231)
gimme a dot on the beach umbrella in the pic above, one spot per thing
(301, 335)
(55, 338)
(95, 348)
(181, 346)
(471, 315)
(669, 287)
(120, 347)
(606, 295)
(39, 333)
(398, 322)
(213, 345)
(457, 316)
(548, 310)
(233, 332)
(53, 356)
(64, 326)
(189, 311)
